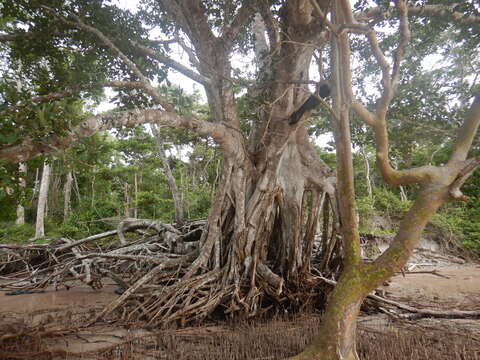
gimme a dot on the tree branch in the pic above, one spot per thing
(173, 64)
(260, 46)
(378, 120)
(78, 23)
(467, 132)
(469, 168)
(24, 35)
(243, 15)
(192, 19)
(70, 92)
(323, 16)
(270, 24)
(405, 36)
(426, 10)
(31, 148)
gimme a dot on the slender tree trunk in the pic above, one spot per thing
(22, 169)
(403, 193)
(368, 179)
(135, 206)
(77, 188)
(337, 338)
(126, 210)
(92, 204)
(172, 184)
(36, 184)
(67, 192)
(42, 202)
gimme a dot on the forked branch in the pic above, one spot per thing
(469, 169)
(377, 120)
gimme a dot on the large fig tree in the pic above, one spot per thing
(256, 248)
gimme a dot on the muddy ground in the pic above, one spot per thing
(60, 318)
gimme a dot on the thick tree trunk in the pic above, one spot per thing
(67, 192)
(259, 237)
(42, 202)
(22, 169)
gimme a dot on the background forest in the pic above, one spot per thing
(120, 174)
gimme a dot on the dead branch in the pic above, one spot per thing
(70, 245)
(134, 224)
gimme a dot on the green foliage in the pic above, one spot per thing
(16, 234)
(389, 203)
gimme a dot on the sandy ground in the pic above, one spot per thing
(452, 286)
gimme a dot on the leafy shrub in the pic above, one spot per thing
(16, 234)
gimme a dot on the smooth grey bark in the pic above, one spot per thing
(42, 202)
(22, 168)
(368, 178)
(135, 206)
(67, 191)
(403, 193)
(172, 184)
(126, 209)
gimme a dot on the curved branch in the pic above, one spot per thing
(31, 148)
(393, 176)
(378, 120)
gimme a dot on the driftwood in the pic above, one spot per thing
(70, 245)
(143, 269)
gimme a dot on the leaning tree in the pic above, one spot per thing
(256, 247)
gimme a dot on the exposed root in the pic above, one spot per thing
(247, 258)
